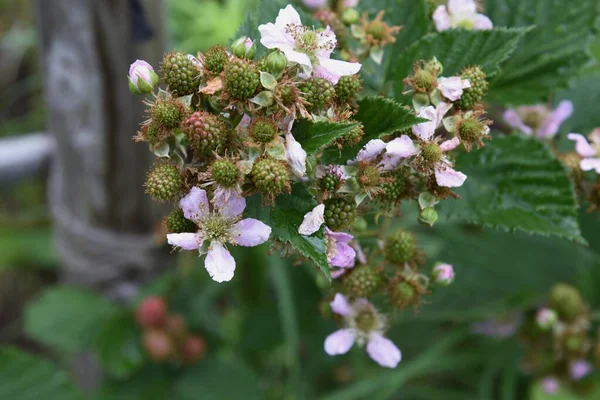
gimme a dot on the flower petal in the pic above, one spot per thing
(296, 155)
(582, 147)
(250, 232)
(194, 204)
(340, 342)
(288, 16)
(383, 351)
(332, 70)
(336, 273)
(482, 22)
(396, 150)
(326, 42)
(230, 207)
(557, 117)
(441, 18)
(186, 241)
(219, 263)
(447, 177)
(512, 118)
(340, 305)
(449, 145)
(338, 236)
(452, 87)
(587, 164)
(371, 150)
(313, 220)
(299, 58)
(462, 8)
(274, 37)
(344, 256)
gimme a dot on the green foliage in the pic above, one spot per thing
(515, 183)
(67, 318)
(25, 377)
(551, 53)
(149, 383)
(379, 116)
(456, 49)
(585, 95)
(285, 219)
(314, 136)
(537, 393)
(118, 346)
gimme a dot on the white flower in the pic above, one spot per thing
(590, 152)
(452, 87)
(296, 155)
(425, 130)
(460, 14)
(363, 325)
(304, 46)
(223, 225)
(313, 220)
(395, 150)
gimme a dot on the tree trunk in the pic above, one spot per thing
(104, 222)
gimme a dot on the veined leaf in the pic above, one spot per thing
(67, 318)
(516, 183)
(456, 49)
(551, 53)
(26, 377)
(314, 136)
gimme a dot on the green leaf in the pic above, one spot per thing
(285, 219)
(150, 383)
(550, 54)
(314, 136)
(67, 318)
(214, 379)
(537, 393)
(516, 183)
(119, 346)
(379, 116)
(25, 377)
(456, 49)
(583, 92)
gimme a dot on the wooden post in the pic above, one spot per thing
(103, 219)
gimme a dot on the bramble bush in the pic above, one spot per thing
(389, 199)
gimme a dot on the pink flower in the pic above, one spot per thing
(546, 318)
(589, 151)
(304, 46)
(460, 14)
(550, 385)
(395, 150)
(539, 119)
(224, 224)
(443, 274)
(314, 4)
(579, 369)
(452, 87)
(435, 115)
(339, 252)
(142, 78)
(363, 325)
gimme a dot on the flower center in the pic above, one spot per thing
(534, 119)
(216, 227)
(307, 40)
(369, 176)
(465, 24)
(366, 321)
(431, 153)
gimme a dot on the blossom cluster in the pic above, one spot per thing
(225, 131)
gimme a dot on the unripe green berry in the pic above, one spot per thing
(431, 153)
(471, 130)
(347, 88)
(168, 113)
(339, 213)
(289, 95)
(395, 190)
(270, 176)
(479, 87)
(318, 92)
(262, 130)
(206, 132)
(225, 172)
(400, 247)
(177, 223)
(351, 138)
(566, 301)
(329, 182)
(423, 81)
(369, 176)
(403, 294)
(350, 16)
(241, 78)
(362, 281)
(164, 182)
(180, 73)
(215, 59)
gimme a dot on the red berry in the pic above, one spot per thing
(151, 313)
(194, 348)
(158, 345)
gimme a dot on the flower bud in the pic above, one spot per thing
(276, 62)
(566, 301)
(193, 349)
(428, 216)
(158, 345)
(151, 312)
(443, 274)
(350, 16)
(142, 78)
(546, 318)
(244, 47)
